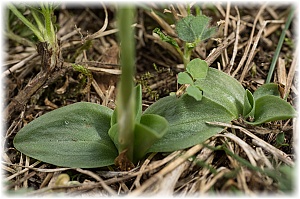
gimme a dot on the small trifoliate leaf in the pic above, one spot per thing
(194, 92)
(184, 78)
(197, 68)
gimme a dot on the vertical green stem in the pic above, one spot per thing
(126, 93)
(279, 45)
(187, 51)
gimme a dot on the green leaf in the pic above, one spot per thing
(197, 68)
(184, 78)
(224, 90)
(71, 136)
(113, 131)
(249, 103)
(271, 108)
(152, 128)
(138, 107)
(187, 118)
(194, 29)
(34, 29)
(194, 92)
(184, 30)
(280, 139)
(266, 89)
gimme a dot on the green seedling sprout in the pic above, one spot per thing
(191, 30)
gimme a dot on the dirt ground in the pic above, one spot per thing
(243, 47)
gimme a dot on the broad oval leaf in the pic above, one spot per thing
(187, 118)
(194, 92)
(271, 108)
(197, 68)
(71, 136)
(184, 78)
(223, 90)
(266, 89)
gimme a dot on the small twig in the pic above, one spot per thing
(252, 156)
(18, 65)
(158, 176)
(106, 70)
(291, 74)
(276, 152)
(100, 32)
(255, 43)
(226, 33)
(235, 48)
(249, 41)
(32, 167)
(215, 53)
(99, 179)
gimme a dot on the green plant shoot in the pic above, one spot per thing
(192, 30)
(89, 135)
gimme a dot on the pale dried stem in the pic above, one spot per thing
(249, 41)
(255, 43)
(143, 167)
(268, 147)
(98, 90)
(167, 185)
(212, 179)
(215, 53)
(18, 65)
(99, 179)
(250, 152)
(225, 54)
(169, 30)
(281, 71)
(100, 32)
(158, 176)
(235, 47)
(291, 73)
